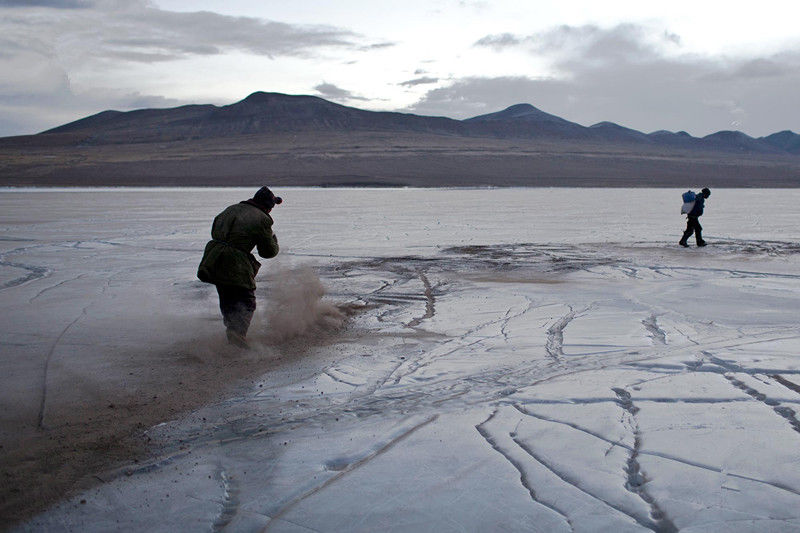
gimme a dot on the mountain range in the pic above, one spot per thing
(306, 140)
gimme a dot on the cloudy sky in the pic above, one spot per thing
(700, 65)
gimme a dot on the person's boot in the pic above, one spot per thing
(685, 239)
(237, 339)
(699, 239)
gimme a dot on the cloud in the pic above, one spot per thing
(500, 41)
(136, 31)
(419, 81)
(150, 34)
(635, 76)
(329, 90)
(45, 45)
(58, 4)
(377, 46)
(673, 37)
(31, 73)
(754, 69)
(589, 42)
(32, 113)
(468, 97)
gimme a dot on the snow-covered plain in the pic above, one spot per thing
(513, 359)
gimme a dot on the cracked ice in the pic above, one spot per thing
(544, 364)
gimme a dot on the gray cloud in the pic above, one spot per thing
(58, 4)
(32, 113)
(377, 46)
(419, 81)
(499, 41)
(589, 42)
(152, 32)
(754, 69)
(632, 76)
(329, 90)
(135, 31)
(673, 37)
(42, 49)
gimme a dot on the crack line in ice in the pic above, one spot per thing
(16, 239)
(656, 333)
(636, 479)
(288, 522)
(786, 412)
(340, 380)
(688, 338)
(590, 364)
(423, 361)
(739, 273)
(671, 370)
(645, 522)
(439, 402)
(346, 470)
(230, 500)
(414, 366)
(587, 401)
(34, 272)
(430, 302)
(555, 335)
(41, 292)
(386, 285)
(523, 476)
(786, 383)
(43, 400)
(665, 456)
(151, 466)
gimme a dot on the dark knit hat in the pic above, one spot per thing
(265, 197)
(706, 192)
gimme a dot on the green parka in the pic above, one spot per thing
(227, 259)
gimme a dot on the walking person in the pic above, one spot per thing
(693, 220)
(229, 264)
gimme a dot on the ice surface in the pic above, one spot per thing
(511, 360)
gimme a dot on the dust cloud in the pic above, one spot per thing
(294, 307)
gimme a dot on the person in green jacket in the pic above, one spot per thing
(229, 264)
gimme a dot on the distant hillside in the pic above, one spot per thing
(787, 141)
(309, 140)
(524, 120)
(259, 113)
(265, 113)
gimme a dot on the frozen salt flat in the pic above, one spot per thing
(513, 360)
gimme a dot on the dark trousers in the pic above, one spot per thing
(693, 226)
(237, 305)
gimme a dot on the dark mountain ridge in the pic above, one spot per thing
(785, 140)
(259, 113)
(525, 120)
(306, 140)
(263, 112)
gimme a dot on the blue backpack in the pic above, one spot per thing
(688, 202)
